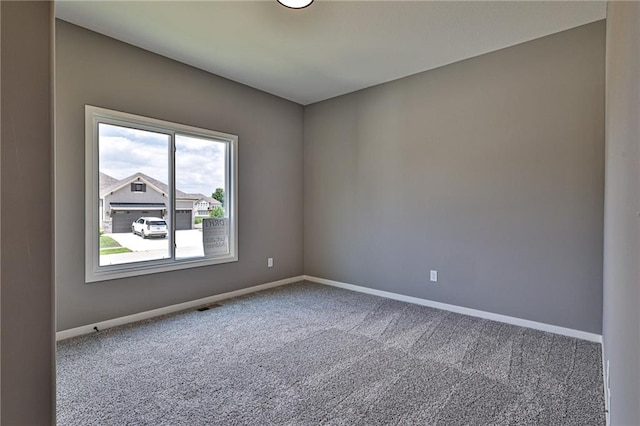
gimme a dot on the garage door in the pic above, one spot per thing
(122, 219)
(183, 219)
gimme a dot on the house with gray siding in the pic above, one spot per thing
(124, 201)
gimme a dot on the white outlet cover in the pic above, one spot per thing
(433, 276)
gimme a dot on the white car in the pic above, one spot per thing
(150, 227)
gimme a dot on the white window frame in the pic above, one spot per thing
(93, 271)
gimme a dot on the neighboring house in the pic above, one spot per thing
(124, 201)
(203, 205)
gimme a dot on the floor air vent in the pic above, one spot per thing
(206, 308)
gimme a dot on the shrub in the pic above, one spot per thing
(217, 212)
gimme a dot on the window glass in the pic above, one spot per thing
(201, 173)
(128, 158)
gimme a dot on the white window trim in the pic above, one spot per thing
(93, 271)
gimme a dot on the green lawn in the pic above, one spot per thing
(110, 246)
(114, 250)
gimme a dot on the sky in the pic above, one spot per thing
(125, 151)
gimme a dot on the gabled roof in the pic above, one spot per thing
(106, 181)
(110, 184)
(136, 177)
(210, 200)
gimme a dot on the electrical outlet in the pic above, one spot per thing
(433, 276)
(270, 262)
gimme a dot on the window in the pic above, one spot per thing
(144, 178)
(138, 187)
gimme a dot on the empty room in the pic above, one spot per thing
(298, 212)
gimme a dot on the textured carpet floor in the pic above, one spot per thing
(308, 354)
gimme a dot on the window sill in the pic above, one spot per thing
(152, 267)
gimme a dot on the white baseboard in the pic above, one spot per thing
(607, 391)
(87, 329)
(597, 338)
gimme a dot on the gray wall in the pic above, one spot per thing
(621, 323)
(26, 284)
(93, 69)
(488, 170)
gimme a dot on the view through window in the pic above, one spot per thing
(163, 198)
(134, 224)
(200, 191)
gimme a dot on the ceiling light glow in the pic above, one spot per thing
(295, 4)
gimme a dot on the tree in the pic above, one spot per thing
(219, 195)
(217, 212)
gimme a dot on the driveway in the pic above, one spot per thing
(188, 244)
(185, 238)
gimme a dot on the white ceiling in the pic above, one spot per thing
(331, 47)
